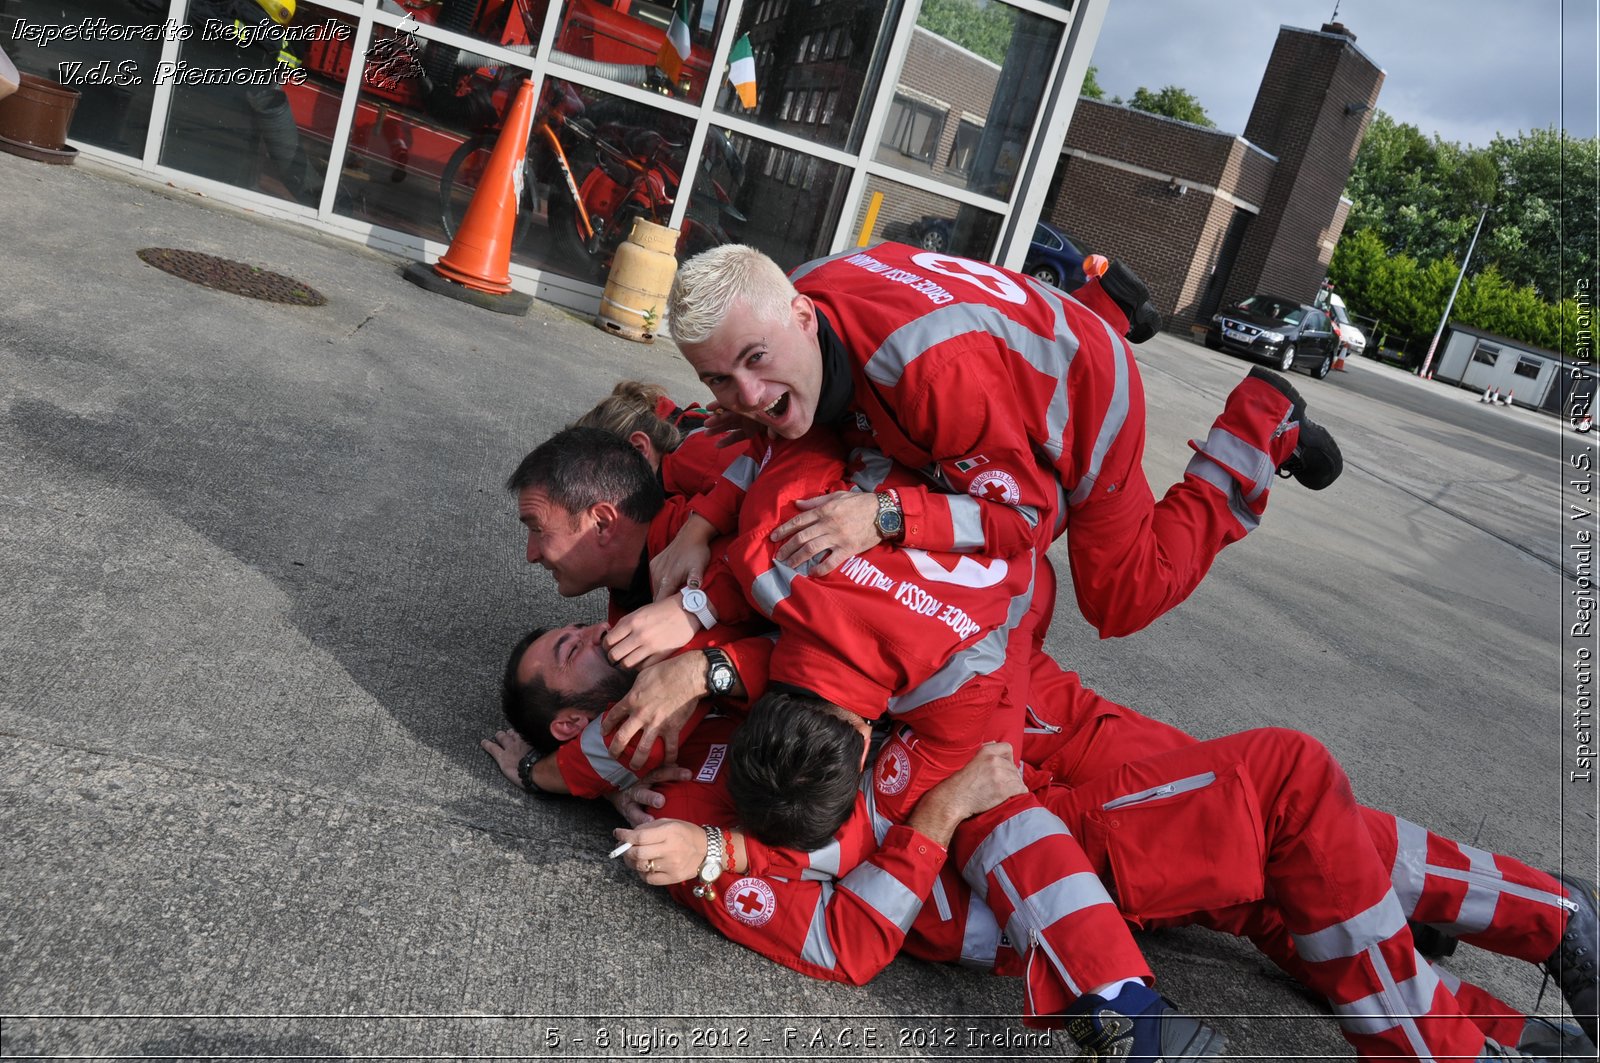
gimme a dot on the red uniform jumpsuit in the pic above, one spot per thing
(1265, 814)
(1024, 408)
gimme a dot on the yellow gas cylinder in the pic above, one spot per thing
(641, 276)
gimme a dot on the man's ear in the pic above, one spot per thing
(804, 313)
(568, 724)
(605, 516)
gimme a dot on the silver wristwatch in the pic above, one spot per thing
(711, 870)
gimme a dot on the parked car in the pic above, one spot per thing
(1353, 338)
(1283, 332)
(932, 232)
(1054, 259)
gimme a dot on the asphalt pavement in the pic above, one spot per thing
(260, 573)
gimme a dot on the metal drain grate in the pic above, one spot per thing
(225, 275)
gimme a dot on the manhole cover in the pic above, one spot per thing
(225, 275)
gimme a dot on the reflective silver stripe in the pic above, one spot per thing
(1007, 839)
(1249, 461)
(1485, 887)
(1061, 508)
(1354, 935)
(806, 267)
(1203, 468)
(601, 762)
(966, 522)
(818, 949)
(984, 657)
(1410, 864)
(880, 822)
(941, 900)
(884, 894)
(1116, 417)
(1024, 936)
(980, 938)
(1483, 881)
(1065, 896)
(1049, 355)
(825, 861)
(770, 588)
(1446, 978)
(1395, 1006)
(874, 468)
(742, 472)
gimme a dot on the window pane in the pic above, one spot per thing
(623, 40)
(114, 106)
(1528, 367)
(799, 32)
(415, 170)
(977, 68)
(758, 207)
(926, 219)
(267, 120)
(1486, 354)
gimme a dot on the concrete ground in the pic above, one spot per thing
(259, 574)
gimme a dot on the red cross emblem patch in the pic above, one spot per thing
(894, 769)
(996, 486)
(751, 901)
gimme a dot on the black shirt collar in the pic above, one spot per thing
(837, 385)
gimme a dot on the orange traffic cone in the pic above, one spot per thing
(480, 255)
(477, 265)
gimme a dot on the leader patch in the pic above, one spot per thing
(713, 762)
(996, 486)
(894, 770)
(751, 901)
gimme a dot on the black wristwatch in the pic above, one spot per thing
(525, 771)
(720, 676)
(890, 522)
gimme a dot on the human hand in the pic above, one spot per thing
(507, 748)
(733, 427)
(684, 559)
(648, 633)
(664, 851)
(839, 525)
(662, 700)
(635, 802)
(990, 777)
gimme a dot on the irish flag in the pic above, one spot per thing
(742, 71)
(675, 49)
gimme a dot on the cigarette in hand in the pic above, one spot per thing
(619, 850)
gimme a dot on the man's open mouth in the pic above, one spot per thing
(778, 408)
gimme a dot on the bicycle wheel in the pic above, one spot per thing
(459, 180)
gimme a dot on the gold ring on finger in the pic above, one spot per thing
(650, 866)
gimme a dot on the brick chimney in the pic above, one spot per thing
(1311, 111)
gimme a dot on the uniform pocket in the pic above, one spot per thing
(1188, 845)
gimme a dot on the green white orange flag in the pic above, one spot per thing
(742, 71)
(675, 49)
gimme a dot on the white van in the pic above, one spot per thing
(1349, 335)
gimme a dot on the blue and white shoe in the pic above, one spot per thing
(1141, 1026)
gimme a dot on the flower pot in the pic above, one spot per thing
(35, 118)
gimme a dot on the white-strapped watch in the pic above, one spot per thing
(711, 870)
(697, 605)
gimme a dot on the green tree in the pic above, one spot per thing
(1173, 102)
(1091, 85)
(979, 26)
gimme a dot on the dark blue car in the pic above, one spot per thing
(1054, 259)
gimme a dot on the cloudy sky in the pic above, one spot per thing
(1464, 69)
